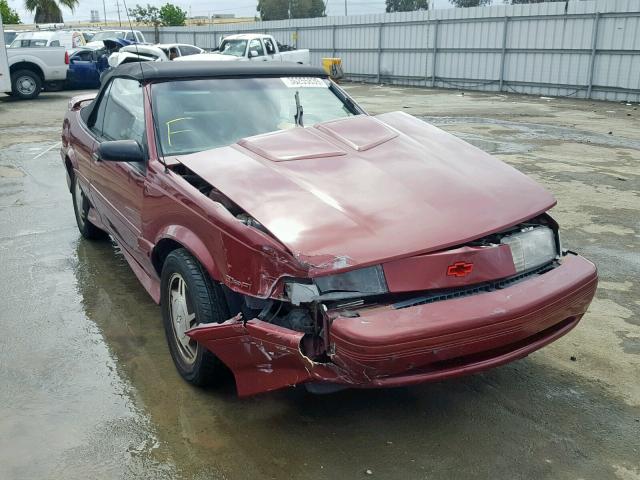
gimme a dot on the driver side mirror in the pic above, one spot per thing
(253, 53)
(120, 151)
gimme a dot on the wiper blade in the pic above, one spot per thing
(299, 111)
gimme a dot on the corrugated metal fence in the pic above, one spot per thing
(584, 49)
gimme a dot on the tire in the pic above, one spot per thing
(204, 302)
(81, 208)
(26, 84)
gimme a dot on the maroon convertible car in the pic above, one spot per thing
(296, 239)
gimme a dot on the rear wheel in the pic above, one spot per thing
(81, 207)
(26, 84)
(188, 298)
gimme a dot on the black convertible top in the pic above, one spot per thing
(158, 71)
(162, 71)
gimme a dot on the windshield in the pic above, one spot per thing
(8, 37)
(108, 35)
(196, 115)
(233, 47)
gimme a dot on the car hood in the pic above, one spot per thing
(364, 190)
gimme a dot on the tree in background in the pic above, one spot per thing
(282, 9)
(148, 15)
(172, 15)
(273, 9)
(407, 5)
(470, 3)
(48, 11)
(9, 15)
(168, 16)
(307, 8)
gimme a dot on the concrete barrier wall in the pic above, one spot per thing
(582, 49)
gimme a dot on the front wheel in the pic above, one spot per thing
(81, 207)
(26, 84)
(189, 297)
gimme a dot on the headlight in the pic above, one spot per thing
(356, 283)
(366, 281)
(531, 247)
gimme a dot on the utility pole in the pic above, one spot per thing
(345, 8)
(104, 9)
(118, 7)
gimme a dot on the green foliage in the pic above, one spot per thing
(273, 9)
(172, 15)
(470, 3)
(148, 15)
(407, 5)
(281, 9)
(48, 11)
(9, 15)
(168, 15)
(307, 8)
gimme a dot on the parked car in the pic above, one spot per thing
(24, 71)
(255, 47)
(85, 67)
(152, 53)
(58, 38)
(296, 239)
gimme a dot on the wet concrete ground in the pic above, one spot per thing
(88, 390)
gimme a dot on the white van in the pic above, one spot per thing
(59, 38)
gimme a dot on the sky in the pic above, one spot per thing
(241, 8)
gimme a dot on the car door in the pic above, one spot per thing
(117, 187)
(255, 45)
(83, 69)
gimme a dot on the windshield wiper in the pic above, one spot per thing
(299, 111)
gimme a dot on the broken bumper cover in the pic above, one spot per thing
(387, 347)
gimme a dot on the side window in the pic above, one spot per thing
(129, 36)
(124, 112)
(140, 37)
(96, 126)
(268, 44)
(54, 43)
(256, 45)
(188, 50)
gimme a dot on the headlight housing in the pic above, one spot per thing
(355, 283)
(531, 247)
(365, 281)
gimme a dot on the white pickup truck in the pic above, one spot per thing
(251, 47)
(24, 71)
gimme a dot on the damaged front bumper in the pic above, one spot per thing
(387, 346)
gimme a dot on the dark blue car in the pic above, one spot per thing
(86, 65)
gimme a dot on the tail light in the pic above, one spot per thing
(66, 58)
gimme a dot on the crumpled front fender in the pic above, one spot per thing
(262, 356)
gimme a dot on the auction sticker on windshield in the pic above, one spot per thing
(304, 82)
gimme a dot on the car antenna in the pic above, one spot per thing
(299, 110)
(153, 118)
